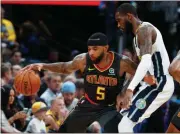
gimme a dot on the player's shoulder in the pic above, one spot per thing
(145, 27)
(117, 54)
(80, 60)
(80, 57)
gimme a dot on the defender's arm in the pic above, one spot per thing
(145, 45)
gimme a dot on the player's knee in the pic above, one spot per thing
(95, 127)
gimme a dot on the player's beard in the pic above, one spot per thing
(128, 27)
(99, 58)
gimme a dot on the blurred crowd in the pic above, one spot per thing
(59, 93)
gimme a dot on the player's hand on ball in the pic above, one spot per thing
(35, 67)
(127, 99)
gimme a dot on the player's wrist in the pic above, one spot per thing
(44, 66)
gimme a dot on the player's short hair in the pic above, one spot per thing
(127, 8)
(57, 98)
(50, 76)
(17, 51)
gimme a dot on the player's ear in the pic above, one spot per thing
(129, 16)
(106, 48)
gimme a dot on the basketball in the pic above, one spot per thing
(27, 83)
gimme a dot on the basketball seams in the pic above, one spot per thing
(17, 81)
(22, 81)
(39, 81)
(30, 82)
(26, 81)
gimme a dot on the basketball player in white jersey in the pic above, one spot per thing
(154, 59)
(174, 70)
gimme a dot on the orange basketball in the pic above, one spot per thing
(27, 82)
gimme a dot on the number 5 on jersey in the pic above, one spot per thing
(100, 93)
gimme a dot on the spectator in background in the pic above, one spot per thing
(8, 27)
(33, 45)
(53, 90)
(16, 59)
(44, 82)
(56, 114)
(79, 88)
(71, 78)
(29, 39)
(6, 73)
(5, 126)
(37, 125)
(30, 100)
(15, 70)
(13, 112)
(68, 90)
(8, 37)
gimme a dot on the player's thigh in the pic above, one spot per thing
(76, 122)
(80, 118)
(109, 121)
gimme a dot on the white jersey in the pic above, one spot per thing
(160, 58)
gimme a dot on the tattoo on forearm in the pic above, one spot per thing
(67, 67)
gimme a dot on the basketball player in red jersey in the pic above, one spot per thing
(174, 70)
(104, 73)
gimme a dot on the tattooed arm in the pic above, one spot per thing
(127, 65)
(78, 63)
(145, 44)
(145, 41)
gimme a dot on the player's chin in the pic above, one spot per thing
(93, 59)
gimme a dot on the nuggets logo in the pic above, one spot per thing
(141, 103)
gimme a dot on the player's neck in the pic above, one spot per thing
(105, 60)
(136, 23)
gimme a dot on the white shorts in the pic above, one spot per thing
(149, 98)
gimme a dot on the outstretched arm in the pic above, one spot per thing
(78, 63)
(67, 67)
